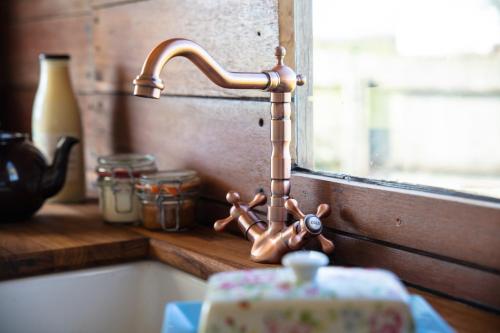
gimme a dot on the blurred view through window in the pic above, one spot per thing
(409, 91)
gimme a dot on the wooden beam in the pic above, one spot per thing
(460, 281)
(462, 230)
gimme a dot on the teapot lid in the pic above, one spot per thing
(9, 137)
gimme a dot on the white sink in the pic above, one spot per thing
(121, 298)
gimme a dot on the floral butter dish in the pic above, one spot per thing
(184, 317)
(304, 298)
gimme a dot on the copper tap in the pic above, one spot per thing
(271, 239)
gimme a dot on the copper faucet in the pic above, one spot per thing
(271, 239)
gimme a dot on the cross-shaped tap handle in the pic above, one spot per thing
(238, 208)
(309, 225)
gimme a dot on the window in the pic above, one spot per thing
(408, 91)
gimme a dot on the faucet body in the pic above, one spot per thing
(271, 239)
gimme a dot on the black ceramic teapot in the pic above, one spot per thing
(26, 179)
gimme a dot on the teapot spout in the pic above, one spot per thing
(55, 176)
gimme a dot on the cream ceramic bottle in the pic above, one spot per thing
(55, 114)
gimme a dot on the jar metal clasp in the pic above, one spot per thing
(162, 204)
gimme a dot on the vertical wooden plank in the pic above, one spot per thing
(303, 105)
(295, 29)
(287, 39)
(4, 19)
(287, 30)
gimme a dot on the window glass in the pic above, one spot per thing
(409, 91)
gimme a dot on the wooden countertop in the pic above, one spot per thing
(62, 237)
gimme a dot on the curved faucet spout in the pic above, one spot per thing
(149, 84)
(271, 239)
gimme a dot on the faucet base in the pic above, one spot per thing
(270, 242)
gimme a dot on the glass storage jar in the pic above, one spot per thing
(116, 179)
(168, 199)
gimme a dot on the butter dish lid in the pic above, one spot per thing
(305, 280)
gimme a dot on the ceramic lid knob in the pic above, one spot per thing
(305, 264)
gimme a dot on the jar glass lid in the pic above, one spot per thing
(125, 165)
(171, 182)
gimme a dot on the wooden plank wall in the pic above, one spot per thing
(3, 60)
(440, 244)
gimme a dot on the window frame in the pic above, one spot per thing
(368, 211)
(295, 31)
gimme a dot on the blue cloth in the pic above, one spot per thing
(183, 317)
(426, 318)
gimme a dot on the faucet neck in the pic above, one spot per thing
(281, 135)
(149, 83)
(280, 79)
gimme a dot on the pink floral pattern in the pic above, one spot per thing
(270, 301)
(331, 283)
(387, 321)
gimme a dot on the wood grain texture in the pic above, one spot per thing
(221, 138)
(408, 220)
(460, 281)
(246, 35)
(200, 261)
(59, 34)
(461, 317)
(65, 237)
(286, 20)
(214, 150)
(211, 136)
(4, 22)
(16, 109)
(183, 143)
(109, 3)
(303, 47)
(443, 226)
(27, 10)
(287, 39)
(203, 252)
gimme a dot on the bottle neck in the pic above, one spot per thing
(54, 73)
